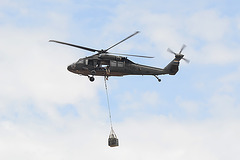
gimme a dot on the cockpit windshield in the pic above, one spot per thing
(81, 61)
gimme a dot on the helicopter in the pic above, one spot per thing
(104, 63)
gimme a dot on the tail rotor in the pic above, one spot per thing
(179, 55)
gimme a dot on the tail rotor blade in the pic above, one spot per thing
(186, 60)
(182, 48)
(169, 50)
(180, 53)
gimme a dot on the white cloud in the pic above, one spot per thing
(223, 105)
(48, 113)
(209, 34)
(168, 139)
(149, 137)
(217, 54)
(232, 78)
(190, 107)
(35, 72)
(139, 101)
(208, 25)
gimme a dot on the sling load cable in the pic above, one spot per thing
(112, 140)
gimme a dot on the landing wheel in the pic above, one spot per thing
(159, 80)
(91, 79)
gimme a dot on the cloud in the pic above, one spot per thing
(208, 25)
(210, 34)
(190, 107)
(152, 137)
(35, 73)
(168, 139)
(48, 113)
(147, 99)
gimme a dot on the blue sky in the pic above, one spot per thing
(47, 112)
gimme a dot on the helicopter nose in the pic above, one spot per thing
(69, 68)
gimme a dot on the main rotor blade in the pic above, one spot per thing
(133, 55)
(122, 40)
(77, 46)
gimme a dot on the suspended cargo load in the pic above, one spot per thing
(112, 140)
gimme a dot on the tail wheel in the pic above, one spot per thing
(91, 79)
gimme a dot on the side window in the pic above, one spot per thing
(120, 64)
(113, 63)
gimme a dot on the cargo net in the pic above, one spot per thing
(112, 140)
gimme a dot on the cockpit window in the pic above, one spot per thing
(80, 61)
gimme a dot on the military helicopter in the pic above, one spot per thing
(104, 63)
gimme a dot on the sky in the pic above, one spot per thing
(47, 112)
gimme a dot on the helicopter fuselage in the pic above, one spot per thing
(109, 65)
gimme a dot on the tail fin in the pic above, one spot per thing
(172, 67)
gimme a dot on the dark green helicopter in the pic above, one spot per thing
(106, 64)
